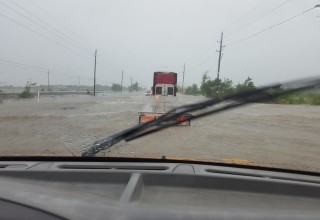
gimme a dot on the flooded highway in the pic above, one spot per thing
(284, 136)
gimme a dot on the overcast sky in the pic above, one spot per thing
(144, 36)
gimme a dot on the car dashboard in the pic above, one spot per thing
(153, 190)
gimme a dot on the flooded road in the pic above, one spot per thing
(285, 136)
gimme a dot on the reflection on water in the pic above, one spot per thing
(268, 135)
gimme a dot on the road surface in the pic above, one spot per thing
(261, 134)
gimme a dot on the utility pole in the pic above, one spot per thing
(220, 54)
(184, 69)
(79, 82)
(219, 61)
(121, 80)
(131, 85)
(94, 78)
(48, 80)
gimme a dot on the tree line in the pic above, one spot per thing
(116, 87)
(218, 87)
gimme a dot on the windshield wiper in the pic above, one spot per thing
(201, 109)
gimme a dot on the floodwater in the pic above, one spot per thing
(286, 136)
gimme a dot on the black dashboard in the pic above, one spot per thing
(145, 190)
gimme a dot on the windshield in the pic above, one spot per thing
(73, 73)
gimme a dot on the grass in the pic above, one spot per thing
(26, 93)
(311, 97)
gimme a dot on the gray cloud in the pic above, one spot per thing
(144, 36)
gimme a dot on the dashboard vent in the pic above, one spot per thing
(105, 167)
(86, 167)
(262, 176)
(234, 173)
(143, 168)
(13, 166)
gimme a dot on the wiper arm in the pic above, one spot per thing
(201, 109)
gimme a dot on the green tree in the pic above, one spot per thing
(192, 90)
(26, 93)
(248, 84)
(116, 87)
(204, 83)
(179, 88)
(225, 87)
(134, 87)
(216, 87)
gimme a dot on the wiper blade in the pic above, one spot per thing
(201, 109)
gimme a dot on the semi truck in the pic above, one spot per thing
(164, 90)
(164, 83)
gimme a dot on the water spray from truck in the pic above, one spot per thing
(163, 98)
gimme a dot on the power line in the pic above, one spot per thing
(60, 23)
(109, 68)
(201, 63)
(246, 14)
(25, 69)
(44, 76)
(31, 20)
(272, 26)
(37, 68)
(40, 25)
(257, 19)
(67, 37)
(17, 63)
(43, 36)
(204, 53)
(254, 8)
(285, 21)
(26, 72)
(207, 52)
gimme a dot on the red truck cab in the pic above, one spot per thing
(164, 83)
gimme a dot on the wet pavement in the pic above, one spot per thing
(285, 136)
